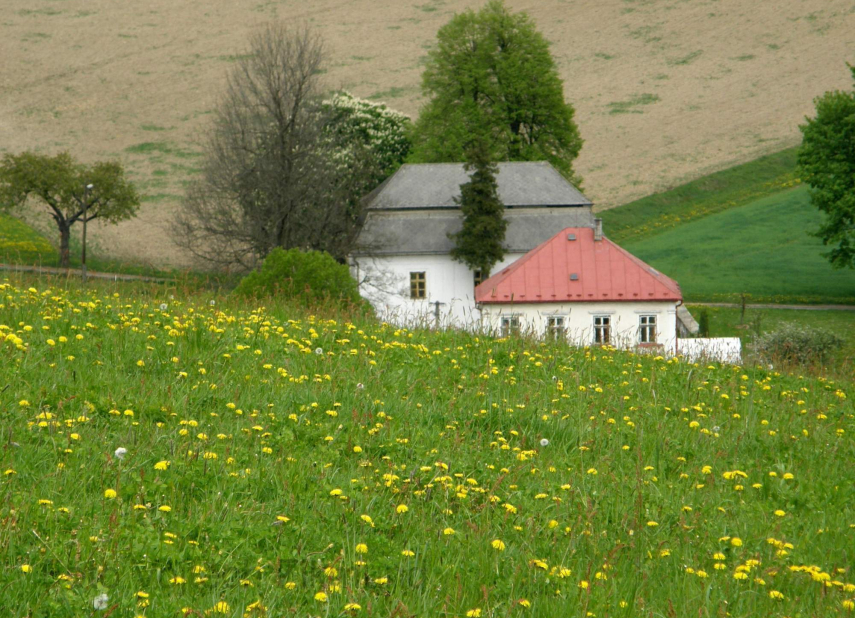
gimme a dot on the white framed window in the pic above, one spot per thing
(647, 329)
(418, 285)
(555, 327)
(602, 329)
(510, 325)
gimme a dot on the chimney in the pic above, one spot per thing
(598, 229)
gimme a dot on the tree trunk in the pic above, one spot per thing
(64, 237)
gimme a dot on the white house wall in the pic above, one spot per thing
(579, 320)
(385, 283)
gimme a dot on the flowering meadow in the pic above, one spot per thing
(195, 456)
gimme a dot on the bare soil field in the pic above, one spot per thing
(664, 90)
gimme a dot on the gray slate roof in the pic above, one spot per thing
(413, 211)
(420, 232)
(435, 185)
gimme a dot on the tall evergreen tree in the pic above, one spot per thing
(479, 243)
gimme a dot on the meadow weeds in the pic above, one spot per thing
(198, 456)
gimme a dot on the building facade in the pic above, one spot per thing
(580, 287)
(403, 263)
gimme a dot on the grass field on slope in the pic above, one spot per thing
(729, 188)
(169, 456)
(21, 244)
(763, 249)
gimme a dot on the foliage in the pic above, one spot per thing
(479, 243)
(492, 77)
(730, 188)
(273, 176)
(359, 126)
(704, 323)
(309, 277)
(797, 342)
(760, 249)
(827, 164)
(60, 183)
(282, 462)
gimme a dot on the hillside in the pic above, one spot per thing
(174, 455)
(664, 90)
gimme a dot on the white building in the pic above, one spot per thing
(580, 286)
(403, 264)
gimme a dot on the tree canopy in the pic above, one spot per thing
(492, 75)
(478, 244)
(358, 127)
(282, 167)
(69, 189)
(827, 163)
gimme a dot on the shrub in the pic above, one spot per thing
(704, 323)
(308, 277)
(794, 342)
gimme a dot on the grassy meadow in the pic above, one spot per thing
(763, 248)
(21, 244)
(169, 454)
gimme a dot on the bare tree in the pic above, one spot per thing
(270, 177)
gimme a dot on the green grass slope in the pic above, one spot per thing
(729, 188)
(278, 464)
(21, 244)
(763, 248)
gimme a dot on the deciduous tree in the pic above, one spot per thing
(492, 75)
(282, 168)
(60, 183)
(827, 163)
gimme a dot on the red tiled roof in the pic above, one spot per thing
(603, 272)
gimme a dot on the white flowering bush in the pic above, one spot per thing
(361, 127)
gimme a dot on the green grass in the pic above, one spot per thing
(763, 249)
(631, 105)
(729, 188)
(281, 464)
(729, 322)
(21, 244)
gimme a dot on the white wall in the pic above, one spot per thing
(385, 282)
(579, 320)
(723, 349)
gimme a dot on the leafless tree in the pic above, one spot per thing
(270, 176)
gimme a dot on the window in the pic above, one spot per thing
(647, 329)
(477, 277)
(602, 329)
(417, 285)
(510, 325)
(555, 327)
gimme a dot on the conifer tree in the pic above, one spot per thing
(479, 243)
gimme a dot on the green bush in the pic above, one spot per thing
(794, 342)
(308, 277)
(704, 323)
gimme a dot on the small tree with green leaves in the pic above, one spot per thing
(72, 191)
(827, 164)
(479, 243)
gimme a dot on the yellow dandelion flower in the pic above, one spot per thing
(109, 494)
(321, 597)
(361, 548)
(401, 509)
(498, 545)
